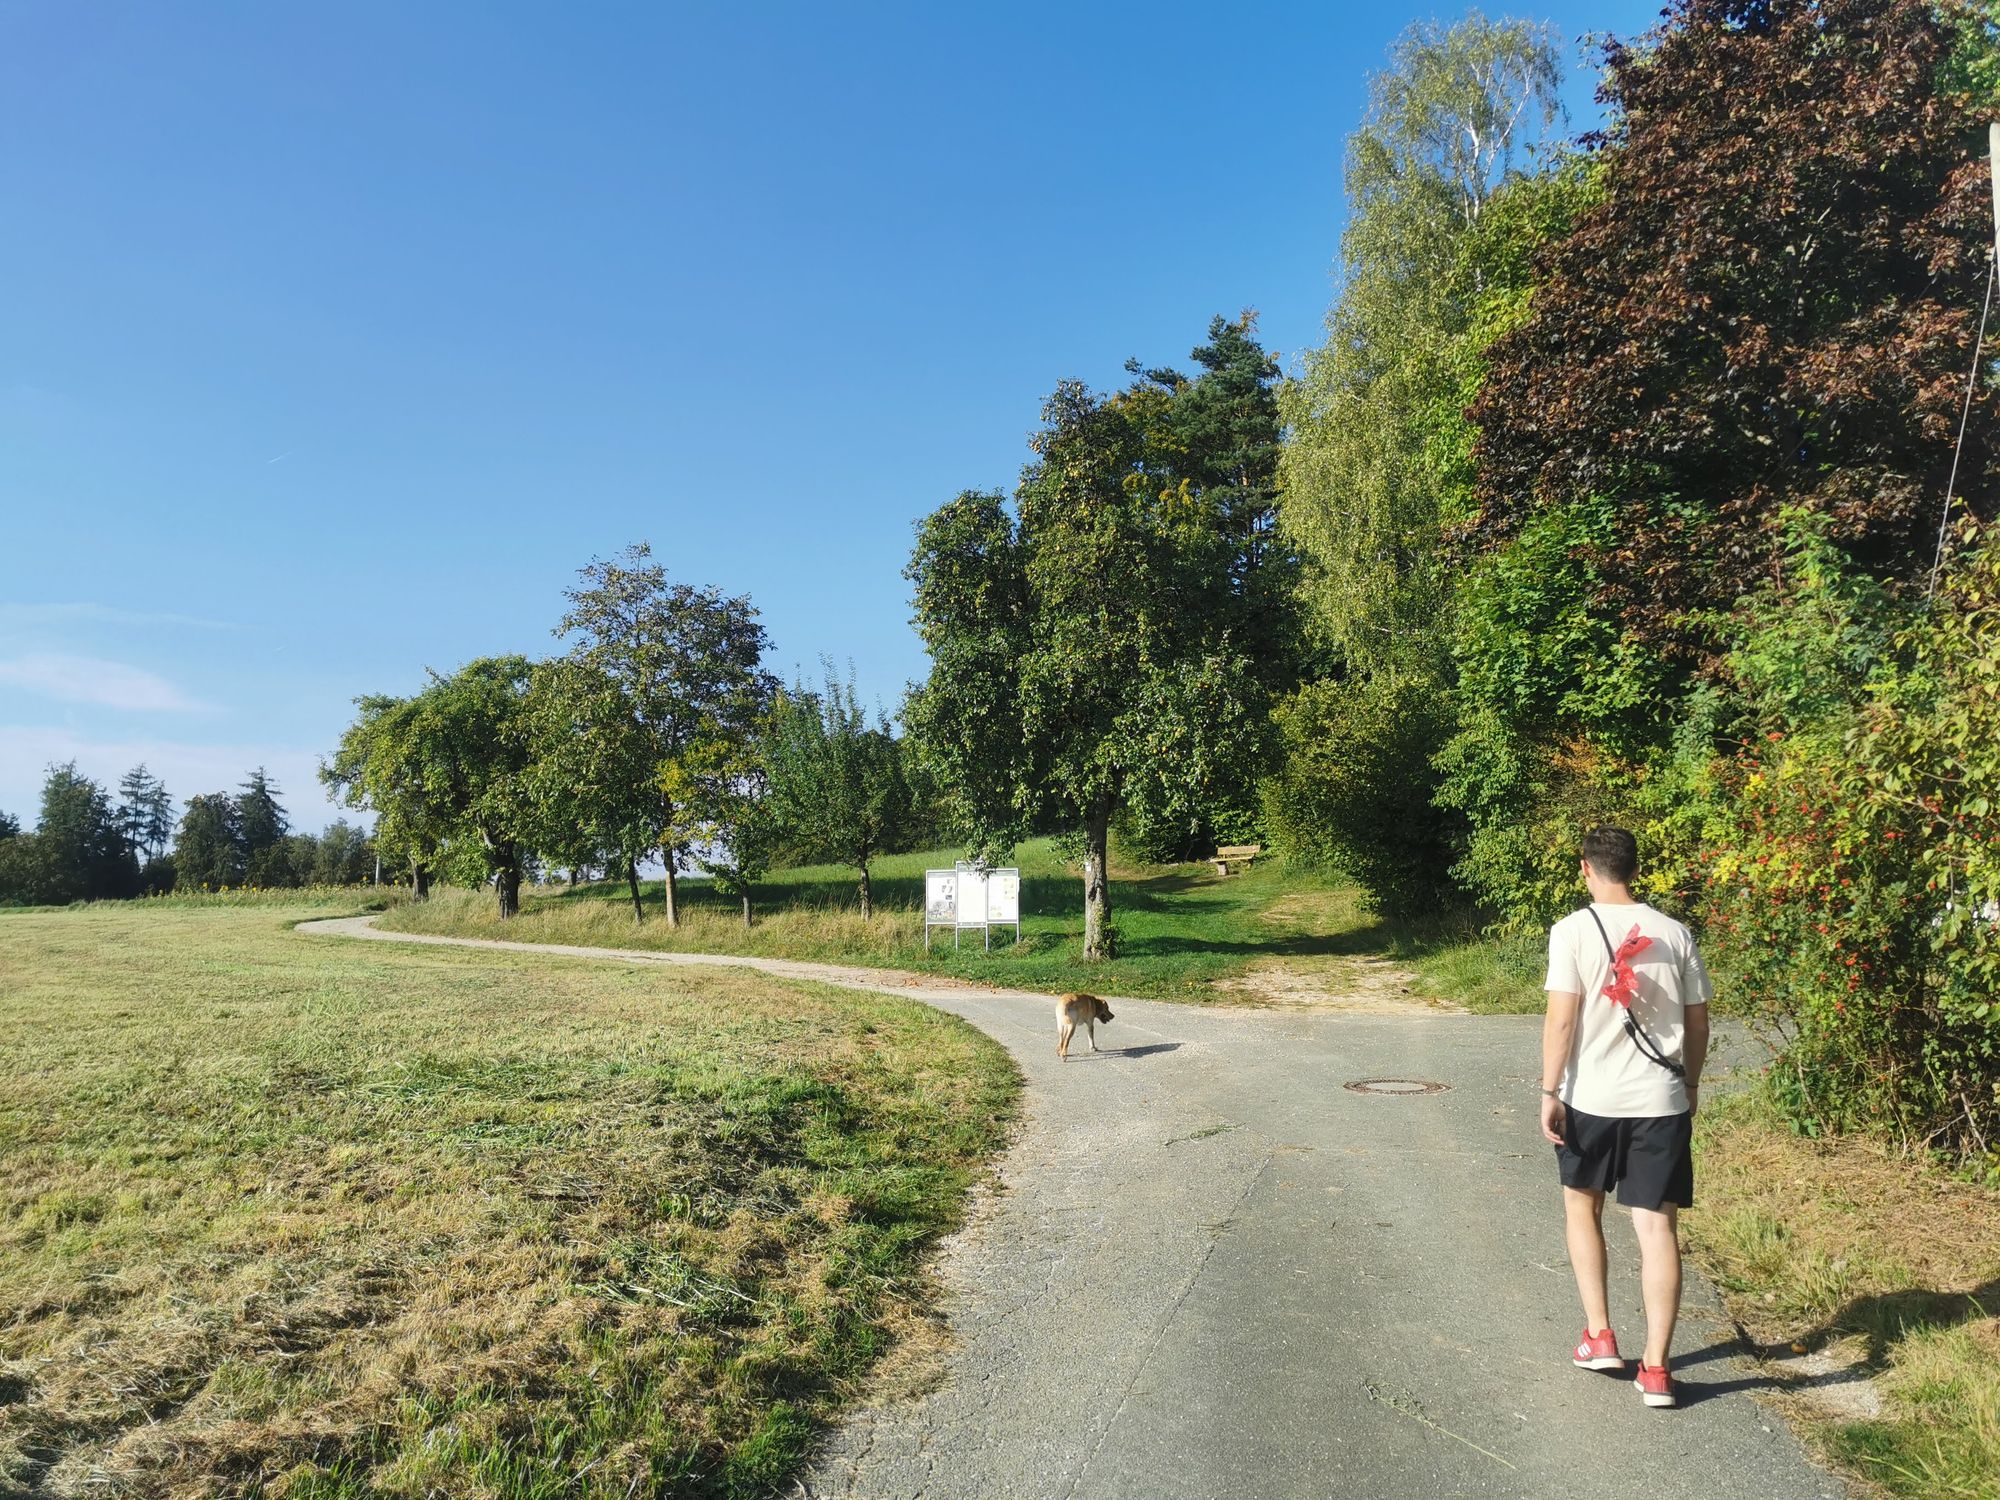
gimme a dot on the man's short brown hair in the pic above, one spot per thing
(1612, 852)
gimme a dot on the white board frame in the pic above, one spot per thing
(974, 892)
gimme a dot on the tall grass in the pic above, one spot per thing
(1885, 1267)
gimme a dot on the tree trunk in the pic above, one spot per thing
(507, 881)
(672, 904)
(420, 880)
(1099, 941)
(867, 896)
(746, 906)
(632, 880)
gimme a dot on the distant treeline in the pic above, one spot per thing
(88, 845)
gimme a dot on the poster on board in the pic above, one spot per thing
(972, 897)
(1003, 896)
(941, 896)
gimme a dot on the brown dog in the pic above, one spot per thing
(1073, 1011)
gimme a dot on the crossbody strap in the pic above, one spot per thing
(1649, 1048)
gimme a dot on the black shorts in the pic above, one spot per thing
(1649, 1160)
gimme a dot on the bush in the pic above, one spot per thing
(1356, 790)
(30, 874)
(1846, 867)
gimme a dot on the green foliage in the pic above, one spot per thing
(380, 766)
(208, 852)
(81, 853)
(29, 874)
(1213, 447)
(261, 826)
(1435, 264)
(145, 814)
(971, 603)
(592, 771)
(1357, 792)
(1195, 740)
(682, 667)
(1819, 813)
(1527, 803)
(1531, 650)
(470, 739)
(1084, 656)
(837, 788)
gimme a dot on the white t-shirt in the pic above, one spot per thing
(1607, 1074)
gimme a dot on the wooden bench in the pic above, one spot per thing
(1244, 855)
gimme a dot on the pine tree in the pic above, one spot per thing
(145, 813)
(261, 826)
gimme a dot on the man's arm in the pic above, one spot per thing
(1694, 1048)
(1558, 1038)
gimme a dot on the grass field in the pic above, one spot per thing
(1875, 1268)
(1184, 933)
(286, 1215)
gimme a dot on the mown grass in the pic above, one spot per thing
(1184, 933)
(1890, 1270)
(283, 1215)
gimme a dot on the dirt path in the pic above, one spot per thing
(1216, 1267)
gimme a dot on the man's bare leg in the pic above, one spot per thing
(1660, 1275)
(1583, 1227)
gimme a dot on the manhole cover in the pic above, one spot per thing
(1396, 1086)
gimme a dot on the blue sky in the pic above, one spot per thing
(336, 338)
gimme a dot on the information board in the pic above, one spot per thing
(1003, 897)
(940, 898)
(972, 898)
(971, 895)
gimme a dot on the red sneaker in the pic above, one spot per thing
(1654, 1385)
(1598, 1351)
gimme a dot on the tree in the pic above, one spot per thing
(837, 789)
(261, 825)
(468, 744)
(80, 839)
(379, 766)
(1771, 311)
(27, 875)
(10, 826)
(1210, 453)
(145, 813)
(342, 855)
(1079, 651)
(740, 831)
(208, 850)
(1214, 444)
(1379, 463)
(685, 662)
(971, 599)
(592, 773)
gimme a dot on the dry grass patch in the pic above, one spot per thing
(295, 1216)
(1871, 1269)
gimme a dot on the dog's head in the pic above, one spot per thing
(1099, 1009)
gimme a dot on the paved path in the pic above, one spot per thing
(1214, 1271)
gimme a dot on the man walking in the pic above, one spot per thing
(1622, 1051)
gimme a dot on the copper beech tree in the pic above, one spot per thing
(1771, 309)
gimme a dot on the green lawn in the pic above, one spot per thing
(1184, 933)
(283, 1214)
